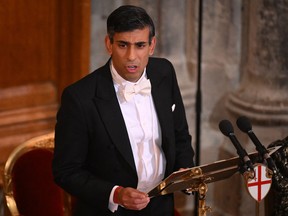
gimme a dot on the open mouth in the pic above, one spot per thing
(132, 68)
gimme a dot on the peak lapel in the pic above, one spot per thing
(161, 93)
(107, 104)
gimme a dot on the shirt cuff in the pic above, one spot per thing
(112, 206)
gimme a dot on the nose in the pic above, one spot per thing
(131, 53)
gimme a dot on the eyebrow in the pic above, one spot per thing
(128, 43)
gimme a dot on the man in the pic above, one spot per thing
(122, 129)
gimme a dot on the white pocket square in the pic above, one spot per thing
(173, 107)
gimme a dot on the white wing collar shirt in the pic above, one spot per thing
(143, 129)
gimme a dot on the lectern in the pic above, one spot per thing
(198, 178)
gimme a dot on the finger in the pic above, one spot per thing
(136, 205)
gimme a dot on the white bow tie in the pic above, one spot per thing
(144, 88)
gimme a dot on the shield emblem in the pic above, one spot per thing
(259, 186)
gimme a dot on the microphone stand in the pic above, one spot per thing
(198, 98)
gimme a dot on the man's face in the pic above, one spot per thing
(130, 52)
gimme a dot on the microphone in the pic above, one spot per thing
(226, 128)
(245, 126)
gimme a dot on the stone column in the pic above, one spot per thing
(262, 95)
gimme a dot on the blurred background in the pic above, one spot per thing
(238, 66)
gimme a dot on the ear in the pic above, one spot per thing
(152, 46)
(108, 45)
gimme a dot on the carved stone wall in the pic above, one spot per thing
(262, 92)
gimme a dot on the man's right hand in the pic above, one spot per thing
(132, 199)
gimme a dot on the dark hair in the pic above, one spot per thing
(129, 18)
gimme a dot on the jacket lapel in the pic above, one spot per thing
(164, 112)
(107, 104)
(159, 92)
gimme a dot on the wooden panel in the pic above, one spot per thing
(44, 46)
(28, 41)
(74, 41)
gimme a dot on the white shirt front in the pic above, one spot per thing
(144, 133)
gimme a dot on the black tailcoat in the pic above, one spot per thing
(92, 147)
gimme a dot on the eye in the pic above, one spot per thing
(141, 45)
(122, 45)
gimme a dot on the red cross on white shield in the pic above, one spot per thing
(260, 185)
